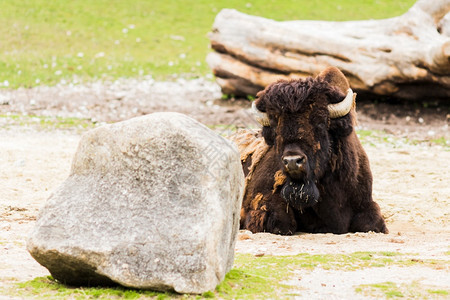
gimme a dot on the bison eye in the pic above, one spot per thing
(321, 128)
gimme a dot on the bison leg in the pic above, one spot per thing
(336, 219)
(332, 219)
(274, 216)
(368, 219)
(254, 221)
(281, 218)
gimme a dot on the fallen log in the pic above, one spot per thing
(404, 57)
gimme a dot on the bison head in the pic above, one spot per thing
(302, 119)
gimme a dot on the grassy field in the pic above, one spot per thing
(47, 42)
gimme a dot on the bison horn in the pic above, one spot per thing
(261, 117)
(342, 108)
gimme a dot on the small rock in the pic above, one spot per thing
(397, 241)
(19, 163)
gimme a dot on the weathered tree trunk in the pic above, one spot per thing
(405, 57)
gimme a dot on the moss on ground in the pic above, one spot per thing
(413, 290)
(255, 278)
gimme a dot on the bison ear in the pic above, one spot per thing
(269, 135)
(335, 78)
(260, 115)
(341, 127)
(260, 101)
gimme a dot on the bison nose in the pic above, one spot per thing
(294, 162)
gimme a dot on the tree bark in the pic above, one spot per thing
(404, 57)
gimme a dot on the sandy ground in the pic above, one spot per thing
(411, 184)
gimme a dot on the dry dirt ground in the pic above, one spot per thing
(411, 177)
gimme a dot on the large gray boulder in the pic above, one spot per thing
(151, 203)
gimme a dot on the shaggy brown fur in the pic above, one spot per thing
(332, 190)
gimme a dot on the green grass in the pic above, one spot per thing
(413, 290)
(351, 262)
(252, 278)
(376, 137)
(388, 289)
(46, 42)
(45, 122)
(48, 288)
(438, 292)
(441, 141)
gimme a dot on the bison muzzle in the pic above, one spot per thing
(306, 170)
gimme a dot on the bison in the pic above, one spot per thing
(308, 172)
